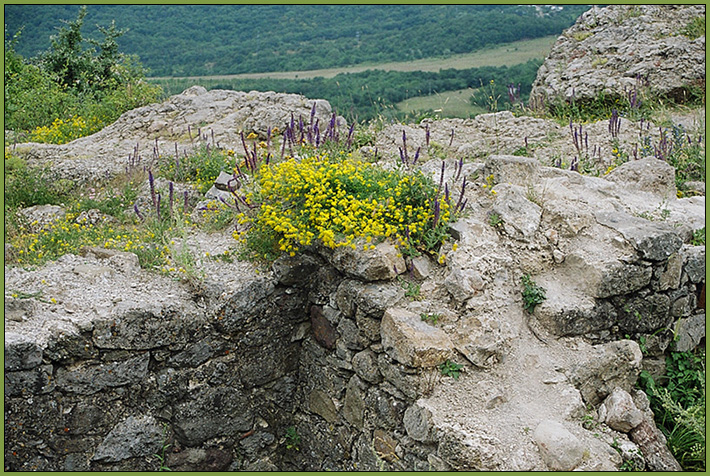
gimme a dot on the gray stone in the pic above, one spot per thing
(294, 270)
(619, 412)
(653, 240)
(90, 379)
(21, 353)
(421, 267)
(560, 449)
(511, 169)
(354, 403)
(616, 364)
(690, 332)
(140, 328)
(365, 366)
(384, 262)
(226, 182)
(484, 340)
(351, 335)
(384, 409)
(321, 404)
(92, 271)
(198, 353)
(418, 424)
(670, 278)
(521, 217)
(40, 217)
(469, 451)
(412, 341)
(29, 382)
(648, 175)
(463, 284)
(694, 258)
(212, 412)
(19, 309)
(134, 437)
(406, 385)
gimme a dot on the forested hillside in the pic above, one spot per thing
(178, 40)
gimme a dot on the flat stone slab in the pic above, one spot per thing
(413, 342)
(654, 241)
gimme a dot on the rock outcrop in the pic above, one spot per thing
(620, 49)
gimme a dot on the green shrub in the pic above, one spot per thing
(678, 403)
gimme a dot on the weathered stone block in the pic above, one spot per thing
(413, 342)
(21, 352)
(619, 411)
(521, 217)
(134, 437)
(616, 364)
(384, 262)
(220, 411)
(418, 424)
(90, 379)
(652, 240)
(559, 448)
(321, 404)
(690, 332)
(365, 366)
(29, 382)
(648, 174)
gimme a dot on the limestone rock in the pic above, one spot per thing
(412, 341)
(418, 423)
(520, 216)
(321, 404)
(40, 217)
(619, 412)
(365, 366)
(611, 50)
(294, 270)
(690, 331)
(354, 403)
(511, 169)
(560, 449)
(463, 283)
(616, 364)
(90, 379)
(653, 240)
(384, 262)
(649, 175)
(132, 438)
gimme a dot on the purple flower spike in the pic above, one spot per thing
(138, 213)
(170, 196)
(151, 181)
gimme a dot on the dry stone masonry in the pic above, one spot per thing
(325, 361)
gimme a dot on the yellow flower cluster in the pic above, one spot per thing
(63, 131)
(340, 201)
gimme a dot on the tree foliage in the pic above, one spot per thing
(182, 40)
(90, 79)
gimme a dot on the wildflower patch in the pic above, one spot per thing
(341, 202)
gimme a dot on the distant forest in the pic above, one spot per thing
(182, 40)
(373, 93)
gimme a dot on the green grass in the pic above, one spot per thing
(502, 55)
(445, 104)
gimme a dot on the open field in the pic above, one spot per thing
(445, 104)
(501, 55)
